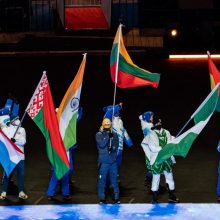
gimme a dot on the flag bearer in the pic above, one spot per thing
(118, 127)
(107, 144)
(146, 124)
(157, 138)
(9, 127)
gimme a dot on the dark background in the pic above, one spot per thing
(184, 85)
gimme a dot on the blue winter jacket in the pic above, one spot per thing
(103, 143)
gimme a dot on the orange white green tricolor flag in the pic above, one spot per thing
(124, 73)
(41, 110)
(214, 78)
(68, 109)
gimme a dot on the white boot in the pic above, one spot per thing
(3, 195)
(22, 195)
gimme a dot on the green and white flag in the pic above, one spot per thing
(180, 146)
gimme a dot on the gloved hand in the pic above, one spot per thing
(13, 140)
(110, 134)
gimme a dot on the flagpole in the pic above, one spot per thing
(116, 70)
(25, 112)
(198, 109)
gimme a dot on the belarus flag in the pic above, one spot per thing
(41, 110)
(10, 154)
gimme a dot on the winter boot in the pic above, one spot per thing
(172, 197)
(102, 201)
(155, 198)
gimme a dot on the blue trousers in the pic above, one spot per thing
(119, 158)
(20, 177)
(218, 183)
(64, 184)
(106, 169)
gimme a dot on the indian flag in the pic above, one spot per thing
(41, 110)
(68, 109)
(124, 73)
(214, 77)
(180, 146)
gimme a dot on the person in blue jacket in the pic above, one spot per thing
(118, 127)
(107, 144)
(66, 179)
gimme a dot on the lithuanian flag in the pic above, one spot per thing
(68, 109)
(41, 110)
(124, 73)
(214, 78)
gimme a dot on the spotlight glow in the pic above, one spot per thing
(193, 56)
(173, 33)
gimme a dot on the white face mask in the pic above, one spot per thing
(16, 122)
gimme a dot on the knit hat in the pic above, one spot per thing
(7, 108)
(109, 111)
(147, 116)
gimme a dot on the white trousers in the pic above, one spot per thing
(168, 178)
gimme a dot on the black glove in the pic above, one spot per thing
(110, 134)
(13, 140)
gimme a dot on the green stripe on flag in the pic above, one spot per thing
(60, 167)
(126, 67)
(70, 132)
(208, 108)
(180, 146)
(180, 149)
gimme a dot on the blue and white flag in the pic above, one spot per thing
(10, 154)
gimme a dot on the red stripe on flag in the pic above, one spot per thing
(50, 121)
(12, 143)
(126, 80)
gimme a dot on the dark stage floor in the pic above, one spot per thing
(183, 86)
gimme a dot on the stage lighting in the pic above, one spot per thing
(173, 33)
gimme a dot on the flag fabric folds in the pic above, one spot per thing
(124, 73)
(180, 146)
(68, 109)
(11, 155)
(214, 78)
(41, 110)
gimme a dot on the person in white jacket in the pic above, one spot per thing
(152, 143)
(146, 120)
(9, 128)
(113, 113)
